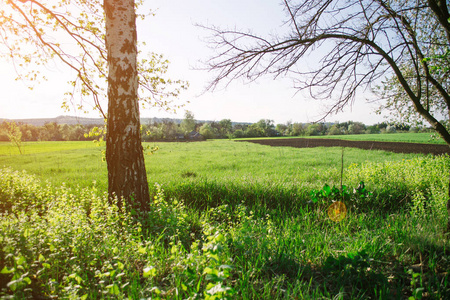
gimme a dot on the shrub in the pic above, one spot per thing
(420, 183)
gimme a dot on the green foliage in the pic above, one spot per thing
(238, 227)
(207, 131)
(420, 182)
(327, 194)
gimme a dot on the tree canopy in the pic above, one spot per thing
(39, 33)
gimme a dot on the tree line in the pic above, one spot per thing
(267, 128)
(189, 129)
(48, 132)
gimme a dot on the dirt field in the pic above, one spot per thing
(368, 145)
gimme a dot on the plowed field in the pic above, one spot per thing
(368, 145)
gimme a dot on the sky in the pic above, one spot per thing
(172, 31)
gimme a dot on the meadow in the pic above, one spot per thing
(228, 221)
(406, 137)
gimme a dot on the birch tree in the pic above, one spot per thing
(97, 42)
(124, 153)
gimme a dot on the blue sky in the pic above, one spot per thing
(172, 32)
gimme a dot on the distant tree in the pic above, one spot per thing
(188, 123)
(242, 127)
(77, 133)
(283, 129)
(391, 129)
(382, 125)
(373, 129)
(298, 129)
(334, 130)
(316, 129)
(226, 127)
(207, 131)
(66, 132)
(414, 129)
(313, 129)
(356, 128)
(53, 132)
(29, 132)
(238, 133)
(15, 135)
(264, 127)
(169, 130)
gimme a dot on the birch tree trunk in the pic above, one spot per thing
(127, 178)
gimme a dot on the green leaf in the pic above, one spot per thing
(27, 280)
(326, 191)
(149, 271)
(209, 270)
(21, 260)
(6, 271)
(113, 289)
(222, 267)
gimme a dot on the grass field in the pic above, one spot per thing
(424, 138)
(218, 162)
(234, 221)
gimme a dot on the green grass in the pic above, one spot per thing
(200, 172)
(233, 221)
(7, 149)
(72, 163)
(423, 137)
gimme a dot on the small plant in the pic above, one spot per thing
(98, 134)
(20, 275)
(217, 271)
(416, 285)
(343, 194)
(355, 269)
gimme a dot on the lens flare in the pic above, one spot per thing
(337, 211)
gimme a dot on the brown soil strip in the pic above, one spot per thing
(368, 145)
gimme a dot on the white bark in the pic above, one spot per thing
(124, 155)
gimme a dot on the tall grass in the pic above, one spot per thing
(229, 221)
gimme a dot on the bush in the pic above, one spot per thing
(421, 183)
(75, 245)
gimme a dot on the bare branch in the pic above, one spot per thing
(351, 44)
